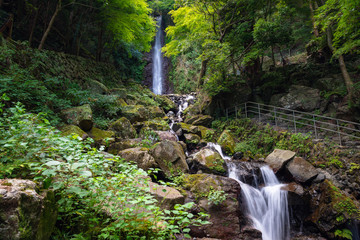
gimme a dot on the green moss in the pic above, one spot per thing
(69, 130)
(227, 142)
(215, 163)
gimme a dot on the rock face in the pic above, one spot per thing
(140, 156)
(301, 170)
(224, 216)
(123, 128)
(24, 214)
(203, 120)
(168, 197)
(278, 159)
(209, 161)
(301, 98)
(170, 157)
(68, 130)
(227, 143)
(79, 116)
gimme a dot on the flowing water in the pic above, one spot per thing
(267, 206)
(158, 61)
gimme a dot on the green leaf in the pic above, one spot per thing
(52, 163)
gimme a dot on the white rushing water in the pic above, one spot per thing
(267, 206)
(158, 61)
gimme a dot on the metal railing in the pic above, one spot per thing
(320, 126)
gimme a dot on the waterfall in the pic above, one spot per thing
(267, 206)
(158, 61)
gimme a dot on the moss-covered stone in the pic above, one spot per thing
(192, 138)
(211, 160)
(140, 156)
(123, 128)
(207, 134)
(80, 116)
(157, 124)
(187, 128)
(102, 137)
(227, 142)
(116, 147)
(69, 130)
(165, 103)
(96, 86)
(199, 120)
(121, 102)
(135, 113)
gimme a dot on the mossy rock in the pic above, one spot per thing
(155, 112)
(101, 136)
(333, 209)
(69, 130)
(210, 161)
(140, 156)
(80, 116)
(121, 102)
(207, 134)
(192, 138)
(120, 92)
(165, 103)
(123, 128)
(199, 120)
(187, 128)
(116, 147)
(157, 124)
(135, 113)
(96, 87)
(227, 142)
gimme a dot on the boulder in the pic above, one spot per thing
(120, 92)
(227, 142)
(301, 98)
(207, 133)
(331, 208)
(95, 86)
(187, 128)
(123, 128)
(209, 161)
(329, 84)
(157, 124)
(192, 138)
(69, 130)
(80, 116)
(170, 157)
(140, 113)
(279, 158)
(165, 103)
(224, 216)
(140, 156)
(102, 137)
(166, 135)
(24, 213)
(301, 170)
(116, 147)
(168, 197)
(202, 120)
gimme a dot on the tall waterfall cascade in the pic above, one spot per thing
(267, 206)
(157, 69)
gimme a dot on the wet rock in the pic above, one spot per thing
(166, 135)
(116, 147)
(227, 142)
(165, 103)
(80, 116)
(208, 161)
(69, 130)
(187, 128)
(123, 128)
(157, 124)
(170, 157)
(102, 137)
(192, 139)
(202, 120)
(248, 172)
(224, 216)
(140, 113)
(279, 158)
(301, 170)
(301, 98)
(140, 156)
(207, 133)
(168, 197)
(24, 213)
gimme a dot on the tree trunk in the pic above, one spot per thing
(100, 45)
(202, 72)
(273, 55)
(33, 26)
(347, 79)
(316, 31)
(51, 23)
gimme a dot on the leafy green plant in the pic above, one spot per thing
(344, 233)
(216, 197)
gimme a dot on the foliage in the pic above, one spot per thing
(345, 233)
(216, 197)
(97, 197)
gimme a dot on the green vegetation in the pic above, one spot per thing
(216, 197)
(97, 197)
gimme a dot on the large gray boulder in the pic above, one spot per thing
(279, 158)
(301, 170)
(116, 147)
(202, 120)
(140, 156)
(170, 157)
(301, 98)
(80, 116)
(209, 161)
(24, 213)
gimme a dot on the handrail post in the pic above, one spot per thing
(259, 110)
(294, 120)
(246, 115)
(315, 127)
(338, 129)
(236, 112)
(275, 116)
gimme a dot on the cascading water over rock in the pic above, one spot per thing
(267, 207)
(158, 61)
